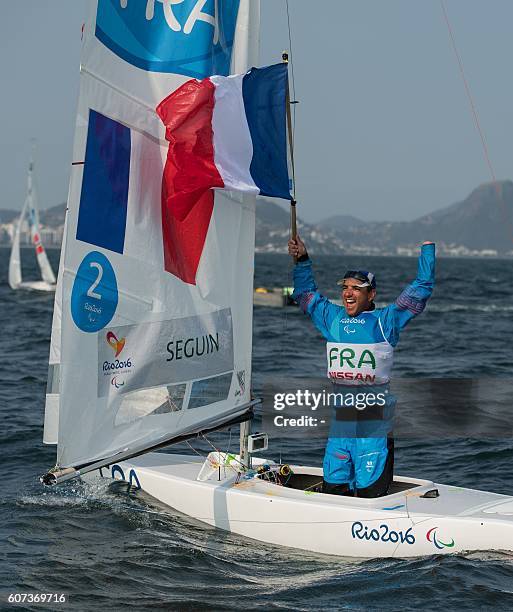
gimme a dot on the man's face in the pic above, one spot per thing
(356, 299)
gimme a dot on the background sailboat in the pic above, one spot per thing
(30, 215)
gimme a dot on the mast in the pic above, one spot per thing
(245, 456)
(293, 220)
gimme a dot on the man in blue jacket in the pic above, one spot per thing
(361, 338)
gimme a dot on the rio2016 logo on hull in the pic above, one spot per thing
(383, 533)
(189, 37)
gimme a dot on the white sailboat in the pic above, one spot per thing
(151, 342)
(30, 214)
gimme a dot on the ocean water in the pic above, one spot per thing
(108, 547)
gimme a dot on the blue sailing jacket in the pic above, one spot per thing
(360, 349)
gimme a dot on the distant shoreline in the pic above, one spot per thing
(25, 247)
(314, 255)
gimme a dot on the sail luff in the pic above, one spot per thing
(52, 396)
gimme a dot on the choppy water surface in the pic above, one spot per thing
(106, 547)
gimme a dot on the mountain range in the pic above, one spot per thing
(49, 217)
(481, 224)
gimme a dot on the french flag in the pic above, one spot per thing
(229, 133)
(224, 133)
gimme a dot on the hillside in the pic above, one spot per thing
(273, 231)
(51, 217)
(482, 223)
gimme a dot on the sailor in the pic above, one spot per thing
(361, 338)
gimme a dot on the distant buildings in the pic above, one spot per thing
(50, 237)
(448, 250)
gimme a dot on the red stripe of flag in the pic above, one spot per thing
(189, 176)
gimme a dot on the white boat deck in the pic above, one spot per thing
(454, 501)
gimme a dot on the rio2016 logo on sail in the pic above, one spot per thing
(189, 37)
(381, 534)
(117, 345)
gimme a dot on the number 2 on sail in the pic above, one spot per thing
(91, 293)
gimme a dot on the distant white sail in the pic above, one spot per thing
(148, 352)
(31, 213)
(15, 258)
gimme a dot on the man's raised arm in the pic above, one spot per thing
(412, 300)
(311, 302)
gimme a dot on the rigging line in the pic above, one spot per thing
(229, 441)
(244, 469)
(506, 215)
(193, 449)
(290, 51)
(469, 95)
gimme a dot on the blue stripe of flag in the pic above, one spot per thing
(264, 93)
(104, 196)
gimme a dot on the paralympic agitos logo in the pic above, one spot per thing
(431, 537)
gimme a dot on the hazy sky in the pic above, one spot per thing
(383, 129)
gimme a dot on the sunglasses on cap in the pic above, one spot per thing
(367, 278)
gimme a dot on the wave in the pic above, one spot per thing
(469, 308)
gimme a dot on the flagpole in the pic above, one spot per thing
(293, 220)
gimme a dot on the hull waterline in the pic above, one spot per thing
(36, 286)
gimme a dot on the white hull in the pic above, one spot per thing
(36, 286)
(402, 524)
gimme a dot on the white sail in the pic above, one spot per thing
(146, 354)
(15, 277)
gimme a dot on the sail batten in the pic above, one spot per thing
(142, 355)
(113, 87)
